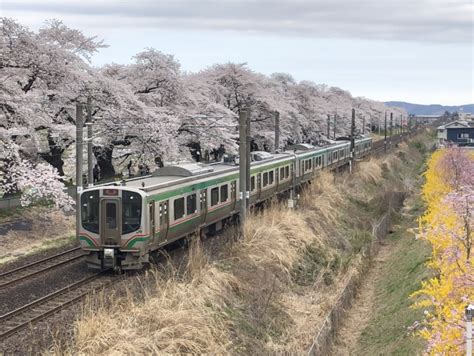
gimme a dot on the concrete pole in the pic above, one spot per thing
(353, 127)
(363, 125)
(335, 118)
(329, 126)
(391, 129)
(277, 131)
(79, 151)
(469, 314)
(243, 165)
(378, 124)
(90, 157)
(401, 124)
(385, 135)
(248, 160)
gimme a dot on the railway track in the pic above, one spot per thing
(18, 319)
(35, 268)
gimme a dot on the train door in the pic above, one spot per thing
(203, 205)
(151, 210)
(277, 178)
(164, 220)
(259, 184)
(233, 193)
(111, 222)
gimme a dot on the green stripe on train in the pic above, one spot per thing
(86, 239)
(137, 239)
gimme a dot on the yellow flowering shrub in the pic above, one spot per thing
(447, 225)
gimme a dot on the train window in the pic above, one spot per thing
(224, 193)
(131, 211)
(111, 215)
(265, 179)
(214, 196)
(282, 173)
(90, 211)
(310, 164)
(178, 208)
(191, 206)
(270, 177)
(287, 171)
(252, 183)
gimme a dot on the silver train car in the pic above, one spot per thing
(121, 225)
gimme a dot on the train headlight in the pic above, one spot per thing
(108, 252)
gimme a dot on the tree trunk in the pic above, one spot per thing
(104, 160)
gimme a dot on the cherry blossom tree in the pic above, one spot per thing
(149, 110)
(38, 183)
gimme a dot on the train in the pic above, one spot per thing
(124, 223)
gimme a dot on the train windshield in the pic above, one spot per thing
(131, 211)
(90, 211)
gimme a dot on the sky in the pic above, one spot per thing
(420, 51)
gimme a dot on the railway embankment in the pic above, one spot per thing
(273, 287)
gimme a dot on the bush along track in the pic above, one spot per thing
(270, 290)
(448, 225)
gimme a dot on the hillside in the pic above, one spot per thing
(432, 109)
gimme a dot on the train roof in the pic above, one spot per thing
(184, 172)
(175, 174)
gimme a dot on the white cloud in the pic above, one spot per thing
(407, 20)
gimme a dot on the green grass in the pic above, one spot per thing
(387, 331)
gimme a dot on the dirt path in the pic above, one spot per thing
(362, 308)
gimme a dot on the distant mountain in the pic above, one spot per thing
(433, 109)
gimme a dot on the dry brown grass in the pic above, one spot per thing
(49, 228)
(370, 171)
(175, 315)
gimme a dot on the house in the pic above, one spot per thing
(424, 119)
(458, 132)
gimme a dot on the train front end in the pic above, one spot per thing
(113, 232)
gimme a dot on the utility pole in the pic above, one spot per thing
(243, 165)
(79, 151)
(248, 160)
(90, 176)
(401, 123)
(353, 127)
(385, 134)
(329, 125)
(378, 123)
(363, 125)
(335, 118)
(277, 131)
(391, 129)
(469, 314)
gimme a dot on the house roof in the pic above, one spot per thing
(454, 124)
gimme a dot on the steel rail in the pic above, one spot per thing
(18, 319)
(35, 268)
